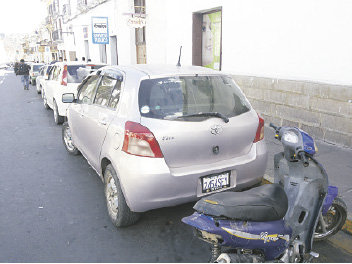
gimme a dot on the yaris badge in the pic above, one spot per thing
(216, 150)
(216, 129)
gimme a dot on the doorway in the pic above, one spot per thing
(102, 53)
(113, 49)
(207, 39)
(86, 48)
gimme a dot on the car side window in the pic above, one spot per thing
(115, 95)
(56, 73)
(51, 73)
(86, 93)
(104, 91)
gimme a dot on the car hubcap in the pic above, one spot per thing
(68, 139)
(111, 195)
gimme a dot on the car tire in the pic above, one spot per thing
(57, 118)
(67, 140)
(45, 102)
(118, 210)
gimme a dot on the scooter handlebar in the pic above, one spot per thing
(273, 126)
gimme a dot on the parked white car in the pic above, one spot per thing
(42, 77)
(34, 72)
(64, 77)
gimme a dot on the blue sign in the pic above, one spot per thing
(100, 30)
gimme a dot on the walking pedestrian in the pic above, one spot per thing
(23, 70)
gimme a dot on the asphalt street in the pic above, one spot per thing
(52, 205)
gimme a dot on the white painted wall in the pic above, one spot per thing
(301, 39)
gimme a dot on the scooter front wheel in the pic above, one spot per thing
(329, 224)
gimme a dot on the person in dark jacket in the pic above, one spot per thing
(23, 70)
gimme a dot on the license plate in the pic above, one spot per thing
(215, 182)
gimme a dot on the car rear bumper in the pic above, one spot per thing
(148, 183)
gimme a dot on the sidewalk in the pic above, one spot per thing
(336, 160)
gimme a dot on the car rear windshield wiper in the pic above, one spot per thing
(214, 114)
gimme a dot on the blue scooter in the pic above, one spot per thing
(274, 222)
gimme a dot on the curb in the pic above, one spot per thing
(347, 227)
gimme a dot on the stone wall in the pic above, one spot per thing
(323, 110)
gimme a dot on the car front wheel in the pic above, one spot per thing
(67, 139)
(119, 212)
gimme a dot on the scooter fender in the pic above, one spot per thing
(272, 238)
(331, 195)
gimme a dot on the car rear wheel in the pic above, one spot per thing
(119, 212)
(45, 102)
(57, 118)
(67, 139)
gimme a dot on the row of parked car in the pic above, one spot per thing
(157, 136)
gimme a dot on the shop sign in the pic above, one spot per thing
(100, 30)
(136, 22)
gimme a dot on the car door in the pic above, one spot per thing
(50, 84)
(98, 117)
(76, 116)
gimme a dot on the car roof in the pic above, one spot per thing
(163, 70)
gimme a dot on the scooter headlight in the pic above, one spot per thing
(290, 137)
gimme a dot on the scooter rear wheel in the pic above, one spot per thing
(334, 220)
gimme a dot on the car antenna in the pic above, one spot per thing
(179, 58)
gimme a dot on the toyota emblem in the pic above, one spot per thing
(216, 129)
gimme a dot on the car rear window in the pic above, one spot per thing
(76, 73)
(94, 67)
(37, 67)
(174, 97)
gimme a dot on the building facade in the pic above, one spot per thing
(292, 59)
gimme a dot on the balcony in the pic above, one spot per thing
(57, 35)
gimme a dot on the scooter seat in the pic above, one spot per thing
(264, 203)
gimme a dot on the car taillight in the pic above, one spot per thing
(260, 130)
(64, 76)
(140, 141)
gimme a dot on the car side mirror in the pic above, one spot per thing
(68, 98)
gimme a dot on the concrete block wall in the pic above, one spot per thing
(320, 109)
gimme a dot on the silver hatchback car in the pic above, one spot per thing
(164, 135)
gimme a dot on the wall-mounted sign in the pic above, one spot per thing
(136, 22)
(100, 30)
